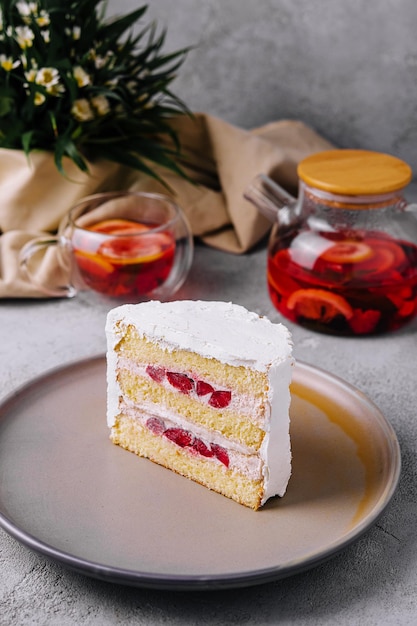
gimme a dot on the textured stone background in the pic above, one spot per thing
(349, 69)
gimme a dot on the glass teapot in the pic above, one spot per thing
(342, 258)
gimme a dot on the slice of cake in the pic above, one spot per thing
(202, 388)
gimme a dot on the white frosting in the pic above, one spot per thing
(276, 448)
(230, 334)
(222, 330)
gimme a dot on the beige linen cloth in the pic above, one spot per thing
(221, 158)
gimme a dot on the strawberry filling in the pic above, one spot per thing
(220, 399)
(182, 382)
(203, 388)
(156, 373)
(216, 398)
(184, 439)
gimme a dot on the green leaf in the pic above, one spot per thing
(27, 140)
(65, 147)
(6, 105)
(115, 29)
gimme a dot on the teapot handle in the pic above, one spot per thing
(269, 198)
(412, 208)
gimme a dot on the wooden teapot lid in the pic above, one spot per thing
(354, 172)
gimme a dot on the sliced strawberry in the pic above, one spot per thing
(200, 447)
(156, 373)
(155, 425)
(406, 308)
(221, 454)
(182, 438)
(220, 399)
(364, 321)
(180, 381)
(203, 388)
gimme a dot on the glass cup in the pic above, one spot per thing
(128, 245)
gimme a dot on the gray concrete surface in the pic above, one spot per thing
(374, 581)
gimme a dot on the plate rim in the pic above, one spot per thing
(137, 578)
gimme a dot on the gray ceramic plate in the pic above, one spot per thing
(67, 492)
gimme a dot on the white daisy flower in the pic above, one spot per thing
(82, 110)
(7, 63)
(43, 19)
(30, 75)
(24, 37)
(56, 90)
(39, 98)
(101, 105)
(26, 9)
(81, 76)
(74, 32)
(99, 62)
(47, 76)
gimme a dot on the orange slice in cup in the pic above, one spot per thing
(126, 250)
(118, 226)
(92, 263)
(319, 304)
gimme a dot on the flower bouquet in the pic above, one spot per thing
(85, 87)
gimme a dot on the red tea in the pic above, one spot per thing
(122, 258)
(346, 283)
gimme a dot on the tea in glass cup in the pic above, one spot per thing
(126, 245)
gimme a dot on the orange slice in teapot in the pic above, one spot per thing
(348, 252)
(384, 245)
(319, 304)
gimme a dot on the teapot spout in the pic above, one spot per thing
(276, 204)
